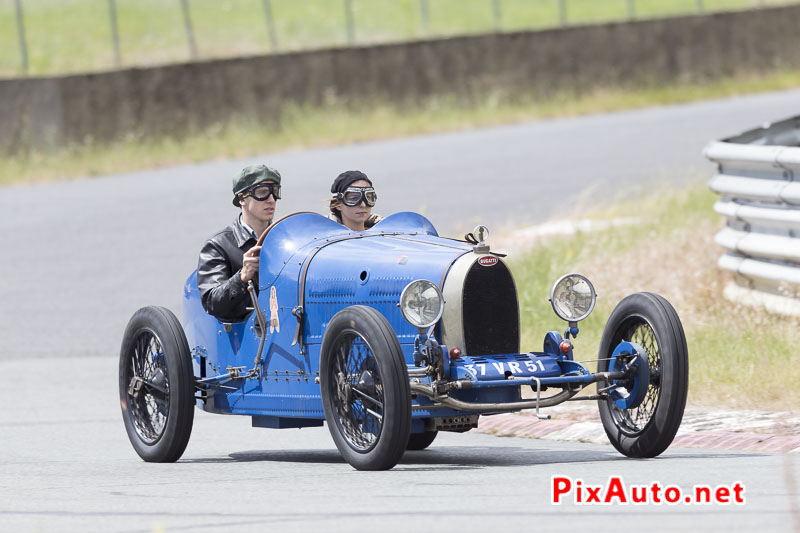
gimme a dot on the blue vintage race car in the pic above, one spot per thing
(392, 335)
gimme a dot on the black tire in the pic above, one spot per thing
(650, 321)
(364, 386)
(155, 359)
(420, 441)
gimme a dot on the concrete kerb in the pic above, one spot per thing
(702, 427)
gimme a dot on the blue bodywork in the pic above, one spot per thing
(310, 268)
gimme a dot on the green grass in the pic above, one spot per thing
(75, 35)
(739, 357)
(735, 352)
(308, 127)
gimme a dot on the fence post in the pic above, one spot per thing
(425, 15)
(631, 9)
(562, 12)
(351, 25)
(498, 15)
(23, 46)
(187, 23)
(273, 36)
(112, 13)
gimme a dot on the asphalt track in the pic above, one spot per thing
(77, 259)
(67, 466)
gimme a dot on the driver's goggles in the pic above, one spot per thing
(353, 196)
(262, 191)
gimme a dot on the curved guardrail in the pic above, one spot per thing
(759, 181)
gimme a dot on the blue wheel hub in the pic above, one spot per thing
(630, 391)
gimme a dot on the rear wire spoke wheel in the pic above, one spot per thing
(651, 322)
(148, 382)
(156, 385)
(420, 441)
(364, 387)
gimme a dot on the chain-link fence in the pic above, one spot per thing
(39, 37)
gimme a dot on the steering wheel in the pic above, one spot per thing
(266, 231)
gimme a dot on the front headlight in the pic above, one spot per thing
(421, 303)
(573, 297)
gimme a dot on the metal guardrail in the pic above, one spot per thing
(759, 181)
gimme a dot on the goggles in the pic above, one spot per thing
(262, 191)
(353, 196)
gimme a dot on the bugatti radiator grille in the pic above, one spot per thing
(490, 311)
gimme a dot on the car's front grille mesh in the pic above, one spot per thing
(490, 311)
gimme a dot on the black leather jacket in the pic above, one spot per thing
(222, 291)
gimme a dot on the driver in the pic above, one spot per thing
(229, 259)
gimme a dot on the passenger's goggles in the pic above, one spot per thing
(353, 196)
(262, 191)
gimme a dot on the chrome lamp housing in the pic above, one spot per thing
(421, 303)
(573, 297)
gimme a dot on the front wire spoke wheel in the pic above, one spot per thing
(364, 388)
(357, 403)
(639, 331)
(649, 321)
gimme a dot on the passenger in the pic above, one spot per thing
(229, 259)
(352, 201)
